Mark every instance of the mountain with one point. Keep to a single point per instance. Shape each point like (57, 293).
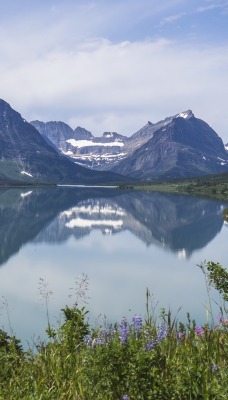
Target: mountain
(26, 156)
(226, 147)
(99, 153)
(183, 147)
(179, 146)
(56, 132)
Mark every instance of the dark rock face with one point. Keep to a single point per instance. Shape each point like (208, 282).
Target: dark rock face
(56, 132)
(17, 135)
(178, 146)
(59, 133)
(185, 147)
(81, 134)
(26, 155)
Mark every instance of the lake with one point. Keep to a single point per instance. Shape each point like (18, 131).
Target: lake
(125, 241)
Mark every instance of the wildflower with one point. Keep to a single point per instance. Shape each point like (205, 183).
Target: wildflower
(124, 331)
(160, 337)
(214, 368)
(161, 333)
(219, 318)
(199, 331)
(125, 397)
(137, 322)
(151, 345)
(180, 335)
(103, 336)
(88, 340)
(222, 321)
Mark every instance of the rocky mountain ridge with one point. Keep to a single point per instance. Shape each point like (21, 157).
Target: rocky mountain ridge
(178, 146)
(26, 156)
(81, 146)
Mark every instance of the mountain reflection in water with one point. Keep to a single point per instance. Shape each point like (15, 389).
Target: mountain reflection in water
(181, 224)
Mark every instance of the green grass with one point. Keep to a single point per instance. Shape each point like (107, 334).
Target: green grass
(136, 360)
(211, 186)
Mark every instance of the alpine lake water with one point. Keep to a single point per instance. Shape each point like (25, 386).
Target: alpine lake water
(125, 241)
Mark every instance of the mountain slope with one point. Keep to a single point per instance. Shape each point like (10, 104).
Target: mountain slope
(184, 147)
(178, 146)
(26, 156)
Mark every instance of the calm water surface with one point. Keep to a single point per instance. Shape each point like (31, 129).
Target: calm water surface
(125, 241)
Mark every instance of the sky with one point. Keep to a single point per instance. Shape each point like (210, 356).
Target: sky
(115, 65)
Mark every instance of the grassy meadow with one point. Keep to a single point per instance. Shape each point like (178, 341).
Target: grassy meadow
(210, 186)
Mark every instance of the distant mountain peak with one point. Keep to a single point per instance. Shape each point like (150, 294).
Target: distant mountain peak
(82, 133)
(4, 103)
(112, 136)
(7, 111)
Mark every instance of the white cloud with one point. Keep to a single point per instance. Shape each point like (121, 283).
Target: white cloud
(172, 18)
(59, 65)
(118, 87)
(213, 6)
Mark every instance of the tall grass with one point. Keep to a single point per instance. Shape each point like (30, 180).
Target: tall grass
(140, 360)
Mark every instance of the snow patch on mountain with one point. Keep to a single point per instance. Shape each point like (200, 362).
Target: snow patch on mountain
(183, 115)
(89, 143)
(26, 194)
(108, 135)
(26, 173)
(95, 157)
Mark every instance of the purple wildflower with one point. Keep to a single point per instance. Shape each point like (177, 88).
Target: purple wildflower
(125, 397)
(161, 333)
(151, 345)
(160, 337)
(101, 339)
(137, 323)
(180, 335)
(199, 331)
(214, 368)
(124, 331)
